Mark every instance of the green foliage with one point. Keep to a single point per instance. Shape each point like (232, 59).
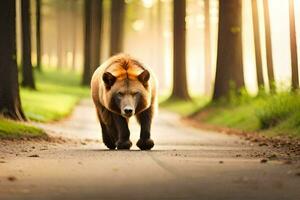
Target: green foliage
(277, 109)
(11, 129)
(270, 114)
(56, 95)
(235, 97)
(241, 116)
(290, 126)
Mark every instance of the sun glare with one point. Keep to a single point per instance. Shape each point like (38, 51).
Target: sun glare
(148, 3)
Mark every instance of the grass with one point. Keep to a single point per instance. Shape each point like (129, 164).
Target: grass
(270, 115)
(11, 129)
(242, 117)
(56, 95)
(184, 108)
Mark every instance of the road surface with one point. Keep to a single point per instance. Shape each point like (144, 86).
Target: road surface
(186, 163)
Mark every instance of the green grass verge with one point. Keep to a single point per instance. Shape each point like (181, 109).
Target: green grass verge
(270, 115)
(184, 108)
(11, 129)
(56, 95)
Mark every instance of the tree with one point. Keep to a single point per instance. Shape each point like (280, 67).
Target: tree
(293, 46)
(38, 34)
(87, 43)
(74, 14)
(180, 88)
(207, 57)
(257, 47)
(93, 18)
(10, 104)
(269, 46)
(59, 30)
(229, 72)
(96, 34)
(159, 43)
(28, 78)
(116, 26)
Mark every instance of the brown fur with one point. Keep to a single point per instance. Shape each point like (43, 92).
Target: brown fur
(123, 75)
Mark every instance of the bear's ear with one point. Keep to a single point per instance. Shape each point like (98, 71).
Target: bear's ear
(108, 79)
(144, 77)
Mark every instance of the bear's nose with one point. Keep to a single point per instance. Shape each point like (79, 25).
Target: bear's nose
(128, 111)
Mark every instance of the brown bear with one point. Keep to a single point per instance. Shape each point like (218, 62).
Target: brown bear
(121, 88)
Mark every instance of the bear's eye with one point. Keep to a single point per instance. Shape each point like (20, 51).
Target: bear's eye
(120, 94)
(134, 94)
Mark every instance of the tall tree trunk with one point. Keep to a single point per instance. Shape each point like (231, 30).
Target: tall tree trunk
(74, 29)
(269, 47)
(160, 54)
(116, 26)
(180, 87)
(96, 34)
(59, 39)
(229, 73)
(293, 46)
(38, 35)
(28, 79)
(257, 47)
(10, 104)
(87, 43)
(207, 56)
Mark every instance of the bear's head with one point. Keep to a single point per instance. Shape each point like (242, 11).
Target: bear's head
(127, 88)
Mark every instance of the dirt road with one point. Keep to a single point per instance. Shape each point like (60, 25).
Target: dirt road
(186, 163)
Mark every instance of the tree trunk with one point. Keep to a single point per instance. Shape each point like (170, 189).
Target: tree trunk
(207, 56)
(59, 33)
(229, 73)
(269, 47)
(180, 88)
(87, 43)
(96, 34)
(160, 45)
(257, 47)
(74, 35)
(38, 34)
(293, 46)
(28, 79)
(116, 26)
(10, 104)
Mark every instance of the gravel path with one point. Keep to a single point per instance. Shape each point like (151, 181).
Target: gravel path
(185, 163)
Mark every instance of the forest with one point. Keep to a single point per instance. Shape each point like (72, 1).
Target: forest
(243, 54)
(222, 66)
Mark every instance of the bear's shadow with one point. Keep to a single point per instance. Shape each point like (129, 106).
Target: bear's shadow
(124, 150)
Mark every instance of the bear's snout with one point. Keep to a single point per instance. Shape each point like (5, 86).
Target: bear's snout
(128, 111)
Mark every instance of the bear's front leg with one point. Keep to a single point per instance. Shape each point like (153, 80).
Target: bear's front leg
(123, 132)
(145, 119)
(108, 136)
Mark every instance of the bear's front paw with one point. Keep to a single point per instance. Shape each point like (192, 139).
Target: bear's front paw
(110, 145)
(124, 144)
(145, 144)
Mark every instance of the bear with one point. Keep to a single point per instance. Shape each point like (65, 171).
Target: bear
(122, 87)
